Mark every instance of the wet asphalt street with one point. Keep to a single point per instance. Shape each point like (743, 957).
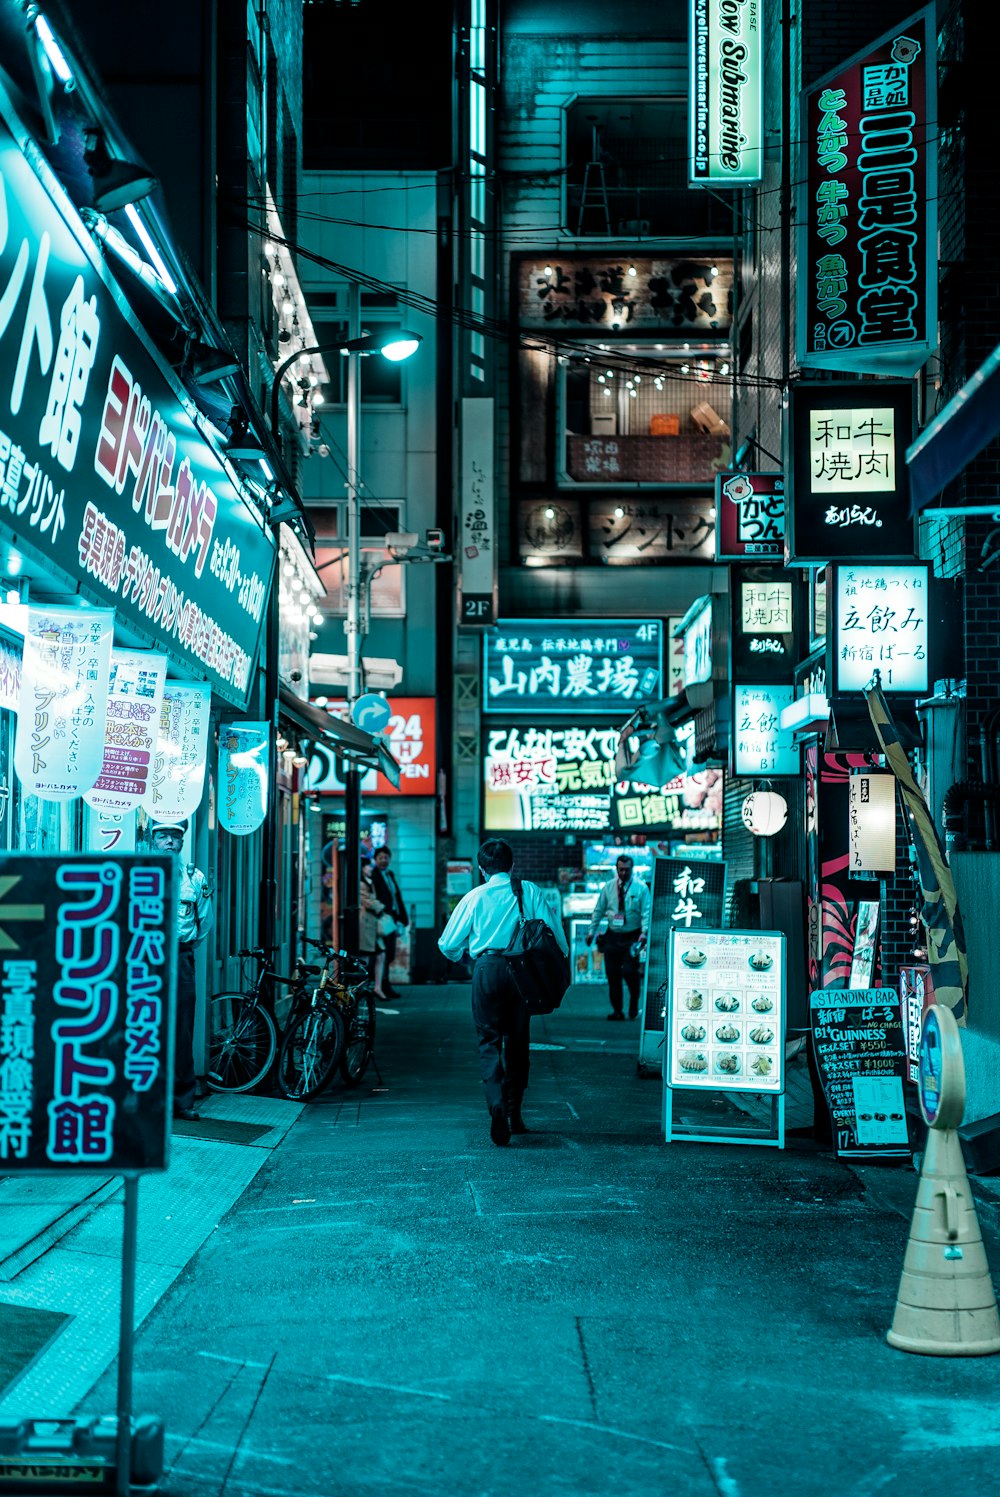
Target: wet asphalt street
(397, 1306)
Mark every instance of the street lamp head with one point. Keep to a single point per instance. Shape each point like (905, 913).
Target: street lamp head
(394, 344)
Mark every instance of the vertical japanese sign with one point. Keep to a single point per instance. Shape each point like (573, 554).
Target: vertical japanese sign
(726, 103)
(850, 486)
(750, 516)
(63, 701)
(87, 956)
(477, 560)
(135, 695)
(763, 637)
(177, 778)
(689, 894)
(880, 623)
(867, 239)
(103, 470)
(243, 776)
(761, 746)
(872, 825)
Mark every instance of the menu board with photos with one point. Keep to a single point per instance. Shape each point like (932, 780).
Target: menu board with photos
(861, 1057)
(726, 1011)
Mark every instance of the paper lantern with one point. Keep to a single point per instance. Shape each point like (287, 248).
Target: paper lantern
(764, 813)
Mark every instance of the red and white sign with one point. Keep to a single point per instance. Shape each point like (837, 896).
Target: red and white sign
(410, 735)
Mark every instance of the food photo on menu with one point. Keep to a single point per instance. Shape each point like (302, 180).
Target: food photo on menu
(726, 1010)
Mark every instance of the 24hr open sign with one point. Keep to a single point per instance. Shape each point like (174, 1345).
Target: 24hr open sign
(87, 958)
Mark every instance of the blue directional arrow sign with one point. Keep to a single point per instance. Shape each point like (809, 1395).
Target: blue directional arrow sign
(371, 712)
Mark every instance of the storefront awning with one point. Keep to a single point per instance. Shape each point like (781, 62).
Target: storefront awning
(343, 738)
(956, 435)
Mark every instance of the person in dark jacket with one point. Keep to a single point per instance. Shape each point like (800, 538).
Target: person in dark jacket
(394, 918)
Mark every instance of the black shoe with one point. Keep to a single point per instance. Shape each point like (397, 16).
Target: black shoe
(617, 1014)
(633, 1013)
(499, 1126)
(516, 1121)
(187, 1114)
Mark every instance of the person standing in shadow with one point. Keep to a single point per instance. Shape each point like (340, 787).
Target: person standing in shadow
(394, 917)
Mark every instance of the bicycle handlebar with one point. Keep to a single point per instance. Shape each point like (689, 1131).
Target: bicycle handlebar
(258, 951)
(335, 951)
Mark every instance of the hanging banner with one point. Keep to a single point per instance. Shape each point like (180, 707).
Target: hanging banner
(135, 694)
(946, 948)
(243, 776)
(725, 108)
(849, 483)
(872, 827)
(477, 559)
(63, 701)
(867, 214)
(177, 778)
(750, 511)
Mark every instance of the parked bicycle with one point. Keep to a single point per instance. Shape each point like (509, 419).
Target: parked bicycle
(334, 1028)
(242, 1032)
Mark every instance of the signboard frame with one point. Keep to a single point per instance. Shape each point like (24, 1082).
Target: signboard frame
(114, 915)
(882, 513)
(730, 965)
(825, 202)
(878, 575)
(879, 1009)
(584, 699)
(743, 500)
(726, 104)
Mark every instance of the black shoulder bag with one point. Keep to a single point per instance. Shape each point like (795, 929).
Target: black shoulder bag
(540, 970)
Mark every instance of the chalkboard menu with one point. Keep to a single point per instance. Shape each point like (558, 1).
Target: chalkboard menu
(689, 894)
(861, 1055)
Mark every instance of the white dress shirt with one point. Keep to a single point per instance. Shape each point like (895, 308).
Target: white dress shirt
(637, 903)
(485, 919)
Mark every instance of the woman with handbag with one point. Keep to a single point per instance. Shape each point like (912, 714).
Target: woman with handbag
(370, 941)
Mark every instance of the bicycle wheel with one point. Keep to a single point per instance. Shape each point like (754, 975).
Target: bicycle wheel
(241, 1042)
(360, 1037)
(311, 1047)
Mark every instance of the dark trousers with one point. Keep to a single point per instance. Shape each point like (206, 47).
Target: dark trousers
(184, 1077)
(390, 957)
(502, 1024)
(618, 963)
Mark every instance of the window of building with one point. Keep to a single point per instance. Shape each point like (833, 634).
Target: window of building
(386, 594)
(627, 163)
(642, 417)
(381, 379)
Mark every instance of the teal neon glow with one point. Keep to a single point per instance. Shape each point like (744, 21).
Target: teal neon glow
(53, 52)
(149, 246)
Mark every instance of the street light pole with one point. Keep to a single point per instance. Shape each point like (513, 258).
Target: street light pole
(395, 344)
(351, 902)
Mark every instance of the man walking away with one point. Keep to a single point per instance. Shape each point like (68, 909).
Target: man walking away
(194, 921)
(483, 923)
(625, 901)
(395, 918)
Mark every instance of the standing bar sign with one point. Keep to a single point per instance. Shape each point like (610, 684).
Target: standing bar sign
(86, 995)
(726, 104)
(861, 1058)
(867, 241)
